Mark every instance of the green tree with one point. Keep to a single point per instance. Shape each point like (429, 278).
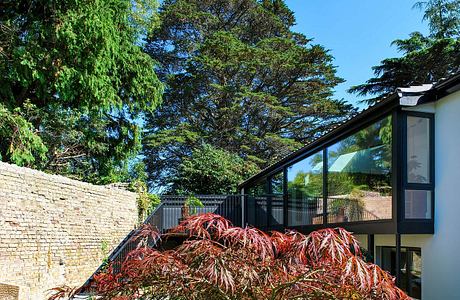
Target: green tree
(75, 84)
(442, 15)
(211, 171)
(425, 59)
(237, 78)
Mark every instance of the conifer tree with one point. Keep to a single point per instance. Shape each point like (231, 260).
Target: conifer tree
(238, 78)
(74, 84)
(425, 59)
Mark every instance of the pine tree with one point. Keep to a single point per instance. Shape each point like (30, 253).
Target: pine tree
(237, 78)
(425, 59)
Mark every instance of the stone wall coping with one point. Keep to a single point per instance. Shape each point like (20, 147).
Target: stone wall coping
(24, 171)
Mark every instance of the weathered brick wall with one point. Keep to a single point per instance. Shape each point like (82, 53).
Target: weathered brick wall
(52, 229)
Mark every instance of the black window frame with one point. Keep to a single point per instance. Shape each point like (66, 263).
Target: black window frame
(411, 223)
(398, 223)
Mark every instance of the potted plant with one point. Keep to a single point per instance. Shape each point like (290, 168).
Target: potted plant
(189, 207)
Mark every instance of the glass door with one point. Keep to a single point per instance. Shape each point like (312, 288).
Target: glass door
(411, 268)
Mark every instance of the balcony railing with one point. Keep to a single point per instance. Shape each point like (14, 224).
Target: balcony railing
(264, 211)
(167, 215)
(269, 212)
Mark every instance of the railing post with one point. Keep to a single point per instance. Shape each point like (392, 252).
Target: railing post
(161, 219)
(285, 198)
(398, 260)
(325, 187)
(243, 209)
(269, 202)
(370, 246)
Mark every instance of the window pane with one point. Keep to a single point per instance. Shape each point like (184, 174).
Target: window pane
(418, 204)
(359, 177)
(305, 191)
(258, 189)
(418, 150)
(277, 199)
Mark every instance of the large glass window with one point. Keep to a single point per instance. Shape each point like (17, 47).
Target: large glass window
(359, 175)
(276, 198)
(257, 189)
(418, 190)
(305, 191)
(418, 150)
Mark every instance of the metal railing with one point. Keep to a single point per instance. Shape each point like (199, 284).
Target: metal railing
(268, 212)
(228, 206)
(167, 215)
(265, 212)
(130, 243)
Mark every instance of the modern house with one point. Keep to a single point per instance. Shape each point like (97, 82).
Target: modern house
(391, 175)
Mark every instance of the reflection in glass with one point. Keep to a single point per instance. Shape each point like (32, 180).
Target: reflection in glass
(359, 175)
(418, 204)
(305, 191)
(276, 198)
(418, 150)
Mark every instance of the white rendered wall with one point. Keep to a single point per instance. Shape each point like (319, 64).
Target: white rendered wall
(441, 251)
(441, 257)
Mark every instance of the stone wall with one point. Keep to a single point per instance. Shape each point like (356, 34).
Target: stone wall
(53, 230)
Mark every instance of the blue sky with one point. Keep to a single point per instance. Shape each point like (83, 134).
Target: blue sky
(357, 32)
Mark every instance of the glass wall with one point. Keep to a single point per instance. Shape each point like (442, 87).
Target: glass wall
(418, 150)
(305, 191)
(276, 199)
(257, 189)
(359, 175)
(418, 193)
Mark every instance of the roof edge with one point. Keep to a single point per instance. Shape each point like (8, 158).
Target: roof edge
(408, 96)
(385, 102)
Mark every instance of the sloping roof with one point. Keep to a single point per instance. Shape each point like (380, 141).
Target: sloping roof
(405, 96)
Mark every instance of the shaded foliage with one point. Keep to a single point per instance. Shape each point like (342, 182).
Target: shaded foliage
(219, 261)
(237, 78)
(211, 171)
(74, 82)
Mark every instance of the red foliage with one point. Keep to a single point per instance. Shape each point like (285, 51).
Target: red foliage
(219, 261)
(204, 226)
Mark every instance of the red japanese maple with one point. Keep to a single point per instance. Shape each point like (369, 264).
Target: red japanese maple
(219, 261)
